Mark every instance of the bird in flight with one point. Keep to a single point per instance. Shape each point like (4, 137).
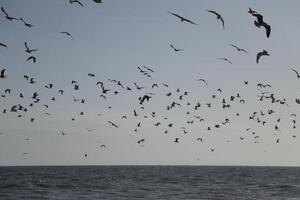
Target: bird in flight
(238, 49)
(225, 59)
(113, 124)
(7, 16)
(98, 1)
(262, 53)
(28, 50)
(218, 17)
(297, 73)
(204, 81)
(260, 22)
(175, 48)
(182, 19)
(68, 34)
(76, 1)
(2, 75)
(32, 58)
(25, 23)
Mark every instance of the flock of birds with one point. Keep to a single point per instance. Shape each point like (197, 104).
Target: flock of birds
(178, 98)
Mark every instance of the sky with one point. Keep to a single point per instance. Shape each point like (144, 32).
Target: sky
(111, 40)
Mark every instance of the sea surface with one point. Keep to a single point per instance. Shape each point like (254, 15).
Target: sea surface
(149, 182)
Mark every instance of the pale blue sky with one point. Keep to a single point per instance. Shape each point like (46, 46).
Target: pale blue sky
(111, 40)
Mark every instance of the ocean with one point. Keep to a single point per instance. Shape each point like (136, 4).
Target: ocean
(149, 182)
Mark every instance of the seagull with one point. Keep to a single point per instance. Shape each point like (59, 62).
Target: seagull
(113, 124)
(238, 49)
(32, 58)
(204, 81)
(297, 73)
(176, 140)
(260, 22)
(68, 34)
(2, 75)
(7, 16)
(225, 59)
(218, 17)
(29, 50)
(262, 53)
(25, 23)
(182, 19)
(76, 1)
(175, 48)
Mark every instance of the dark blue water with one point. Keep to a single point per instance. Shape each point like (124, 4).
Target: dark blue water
(149, 182)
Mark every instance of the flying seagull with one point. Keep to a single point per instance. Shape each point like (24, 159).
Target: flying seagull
(262, 53)
(218, 17)
(68, 34)
(76, 1)
(204, 81)
(182, 19)
(7, 16)
(238, 49)
(29, 50)
(175, 48)
(260, 22)
(225, 59)
(25, 23)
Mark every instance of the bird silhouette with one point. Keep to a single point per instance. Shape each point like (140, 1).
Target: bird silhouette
(32, 58)
(260, 22)
(262, 53)
(202, 80)
(25, 23)
(225, 59)
(238, 49)
(175, 48)
(218, 17)
(7, 16)
(182, 19)
(76, 1)
(68, 34)
(28, 50)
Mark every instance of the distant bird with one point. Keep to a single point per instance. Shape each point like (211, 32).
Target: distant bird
(238, 49)
(204, 81)
(98, 1)
(2, 75)
(225, 59)
(182, 19)
(113, 124)
(28, 50)
(175, 48)
(32, 58)
(262, 53)
(61, 92)
(7, 16)
(25, 23)
(176, 140)
(3, 45)
(297, 73)
(76, 1)
(138, 87)
(218, 17)
(68, 34)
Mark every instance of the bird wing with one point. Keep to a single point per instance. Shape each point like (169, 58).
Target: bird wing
(222, 20)
(258, 56)
(268, 29)
(4, 11)
(296, 72)
(2, 72)
(176, 15)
